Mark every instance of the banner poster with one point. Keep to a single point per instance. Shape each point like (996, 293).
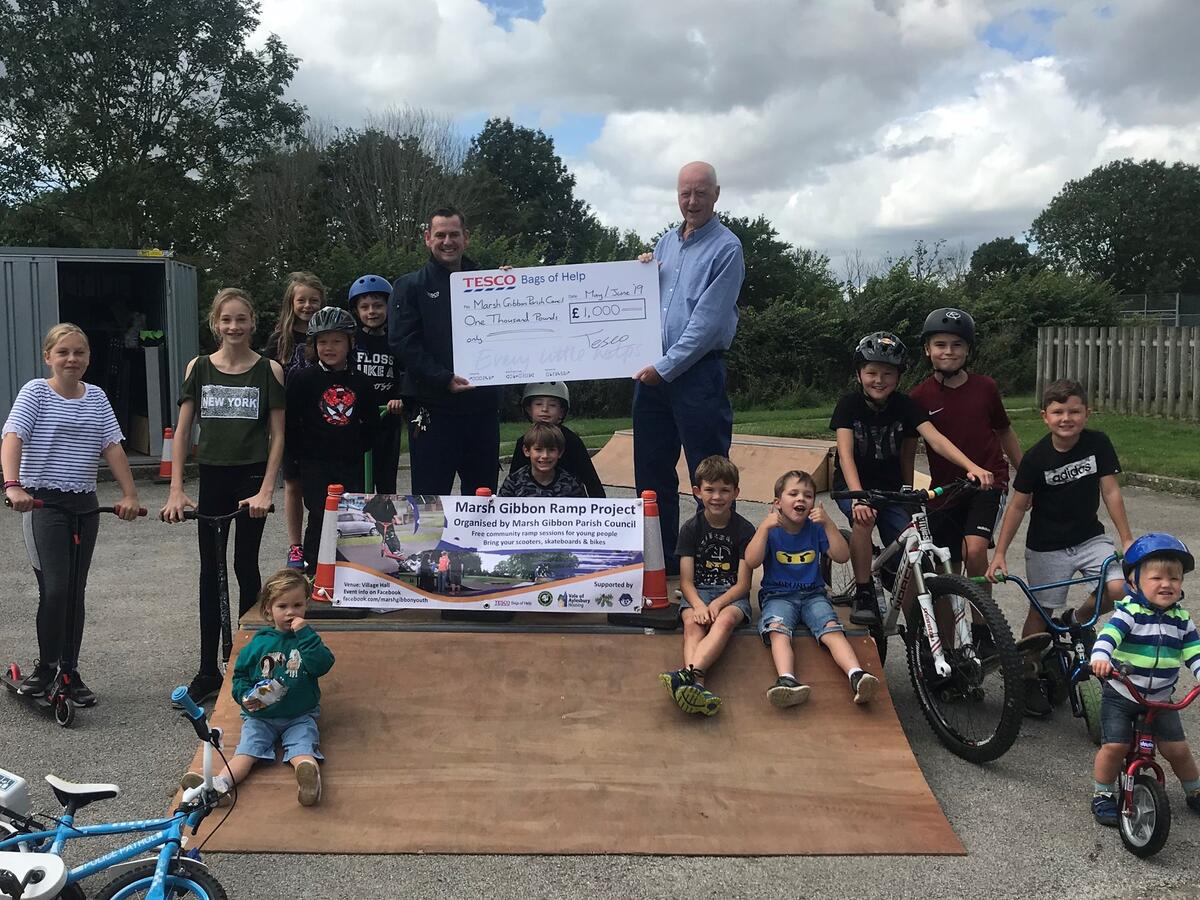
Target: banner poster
(531, 554)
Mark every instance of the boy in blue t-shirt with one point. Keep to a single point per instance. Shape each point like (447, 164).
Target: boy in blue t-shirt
(788, 545)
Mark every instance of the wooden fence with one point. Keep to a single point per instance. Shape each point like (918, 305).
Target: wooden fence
(1151, 371)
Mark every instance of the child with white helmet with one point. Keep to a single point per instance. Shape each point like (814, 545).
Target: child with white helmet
(549, 402)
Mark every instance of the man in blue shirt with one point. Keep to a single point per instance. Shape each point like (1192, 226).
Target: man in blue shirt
(681, 399)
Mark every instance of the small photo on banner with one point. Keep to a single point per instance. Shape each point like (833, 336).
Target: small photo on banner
(532, 554)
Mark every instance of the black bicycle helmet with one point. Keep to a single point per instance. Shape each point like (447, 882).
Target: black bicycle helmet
(878, 347)
(330, 318)
(949, 320)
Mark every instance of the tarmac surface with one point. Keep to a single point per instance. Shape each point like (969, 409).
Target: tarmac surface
(1024, 819)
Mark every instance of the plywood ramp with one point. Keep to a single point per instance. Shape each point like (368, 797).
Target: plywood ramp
(760, 461)
(568, 743)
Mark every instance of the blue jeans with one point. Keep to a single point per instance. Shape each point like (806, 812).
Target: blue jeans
(710, 593)
(692, 411)
(298, 735)
(786, 611)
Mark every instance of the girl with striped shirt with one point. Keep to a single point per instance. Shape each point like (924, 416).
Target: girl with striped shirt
(56, 432)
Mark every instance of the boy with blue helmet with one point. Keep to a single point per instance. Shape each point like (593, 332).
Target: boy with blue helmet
(1151, 634)
(368, 300)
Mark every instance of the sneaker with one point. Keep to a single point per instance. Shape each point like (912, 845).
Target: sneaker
(308, 781)
(787, 692)
(295, 557)
(1087, 635)
(1105, 810)
(1193, 801)
(35, 683)
(203, 688)
(1037, 704)
(866, 608)
(697, 700)
(864, 686)
(673, 681)
(78, 692)
(195, 779)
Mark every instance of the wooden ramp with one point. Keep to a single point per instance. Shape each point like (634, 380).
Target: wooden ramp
(569, 744)
(760, 460)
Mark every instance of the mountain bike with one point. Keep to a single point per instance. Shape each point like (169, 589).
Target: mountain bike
(970, 692)
(31, 864)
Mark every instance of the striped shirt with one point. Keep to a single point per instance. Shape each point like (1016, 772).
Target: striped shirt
(61, 439)
(1152, 643)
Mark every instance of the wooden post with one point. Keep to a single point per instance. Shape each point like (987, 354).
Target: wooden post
(1090, 337)
(1103, 394)
(1173, 373)
(1159, 369)
(1135, 372)
(1060, 341)
(1126, 369)
(1195, 330)
(1039, 378)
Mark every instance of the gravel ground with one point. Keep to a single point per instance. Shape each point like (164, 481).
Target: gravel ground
(1024, 819)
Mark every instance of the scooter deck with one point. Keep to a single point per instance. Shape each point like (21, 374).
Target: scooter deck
(40, 699)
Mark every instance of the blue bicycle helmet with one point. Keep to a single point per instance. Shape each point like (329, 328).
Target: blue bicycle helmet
(1158, 544)
(369, 284)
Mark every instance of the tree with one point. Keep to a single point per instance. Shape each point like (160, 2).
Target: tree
(1129, 223)
(527, 192)
(999, 258)
(134, 118)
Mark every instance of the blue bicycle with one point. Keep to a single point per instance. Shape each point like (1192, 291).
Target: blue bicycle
(31, 865)
(1059, 656)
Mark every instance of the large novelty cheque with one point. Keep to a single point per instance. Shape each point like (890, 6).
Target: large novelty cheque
(512, 553)
(555, 323)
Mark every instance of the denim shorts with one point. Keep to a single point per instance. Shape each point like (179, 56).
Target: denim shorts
(298, 735)
(1045, 566)
(814, 611)
(890, 519)
(709, 593)
(1118, 713)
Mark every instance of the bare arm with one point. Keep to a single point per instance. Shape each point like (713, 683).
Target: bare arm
(756, 550)
(127, 506)
(908, 460)
(181, 446)
(940, 444)
(10, 457)
(1011, 446)
(687, 582)
(1018, 505)
(1110, 490)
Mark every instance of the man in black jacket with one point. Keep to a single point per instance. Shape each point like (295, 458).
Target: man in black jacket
(454, 426)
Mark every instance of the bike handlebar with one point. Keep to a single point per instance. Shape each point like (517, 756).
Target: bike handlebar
(1120, 672)
(913, 495)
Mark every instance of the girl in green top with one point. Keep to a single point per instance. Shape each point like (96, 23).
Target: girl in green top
(238, 396)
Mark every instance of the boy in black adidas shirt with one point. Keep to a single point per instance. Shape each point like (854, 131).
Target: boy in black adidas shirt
(1063, 478)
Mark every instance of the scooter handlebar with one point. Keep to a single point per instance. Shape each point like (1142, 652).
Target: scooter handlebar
(192, 712)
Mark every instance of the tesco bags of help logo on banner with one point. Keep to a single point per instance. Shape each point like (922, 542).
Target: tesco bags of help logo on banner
(523, 554)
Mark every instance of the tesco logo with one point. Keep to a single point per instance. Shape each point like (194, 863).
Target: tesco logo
(476, 282)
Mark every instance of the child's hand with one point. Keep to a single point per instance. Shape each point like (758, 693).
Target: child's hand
(702, 616)
(19, 498)
(395, 407)
(253, 705)
(772, 519)
(1102, 668)
(127, 507)
(864, 514)
(997, 569)
(297, 623)
(983, 477)
(176, 503)
(817, 515)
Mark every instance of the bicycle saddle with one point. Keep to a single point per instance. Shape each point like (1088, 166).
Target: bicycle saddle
(81, 794)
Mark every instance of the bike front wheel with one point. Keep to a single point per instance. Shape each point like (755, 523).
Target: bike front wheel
(185, 879)
(975, 709)
(1144, 831)
(1089, 704)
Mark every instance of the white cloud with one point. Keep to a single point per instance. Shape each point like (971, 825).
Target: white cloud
(849, 123)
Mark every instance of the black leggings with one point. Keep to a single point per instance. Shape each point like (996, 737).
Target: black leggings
(315, 477)
(48, 543)
(221, 487)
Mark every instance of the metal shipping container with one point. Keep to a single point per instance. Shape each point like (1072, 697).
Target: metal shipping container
(114, 296)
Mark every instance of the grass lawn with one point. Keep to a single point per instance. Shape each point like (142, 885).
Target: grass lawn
(1155, 446)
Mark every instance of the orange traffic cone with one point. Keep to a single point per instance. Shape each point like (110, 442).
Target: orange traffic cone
(327, 553)
(164, 465)
(654, 578)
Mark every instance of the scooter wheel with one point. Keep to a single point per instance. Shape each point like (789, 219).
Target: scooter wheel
(64, 711)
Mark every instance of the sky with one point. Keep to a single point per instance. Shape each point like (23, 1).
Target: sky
(852, 125)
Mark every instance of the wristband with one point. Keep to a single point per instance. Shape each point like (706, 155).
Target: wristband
(11, 484)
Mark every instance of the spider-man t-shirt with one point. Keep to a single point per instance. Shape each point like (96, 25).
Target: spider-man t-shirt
(330, 415)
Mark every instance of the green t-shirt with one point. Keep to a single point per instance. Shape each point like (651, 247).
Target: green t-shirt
(234, 411)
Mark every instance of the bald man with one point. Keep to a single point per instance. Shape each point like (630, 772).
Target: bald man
(681, 399)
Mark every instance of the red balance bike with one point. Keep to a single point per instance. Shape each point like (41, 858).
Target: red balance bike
(1145, 810)
(56, 697)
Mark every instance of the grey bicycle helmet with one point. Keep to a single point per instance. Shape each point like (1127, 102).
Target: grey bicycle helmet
(879, 347)
(949, 320)
(330, 318)
(556, 389)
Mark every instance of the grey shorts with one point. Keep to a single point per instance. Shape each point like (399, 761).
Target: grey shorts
(710, 593)
(1045, 566)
